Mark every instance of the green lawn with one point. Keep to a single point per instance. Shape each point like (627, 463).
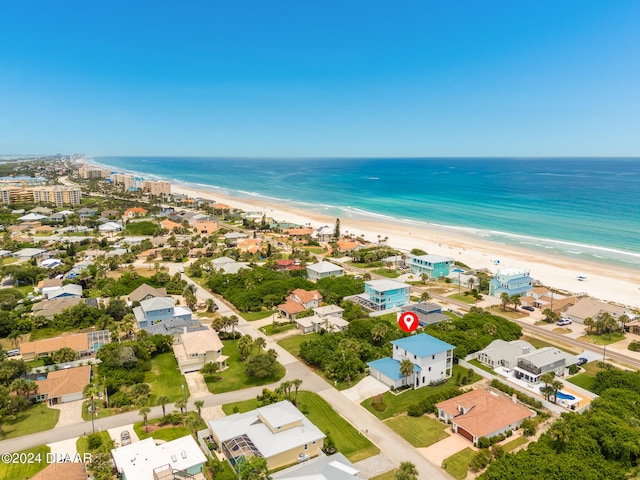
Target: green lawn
(316, 250)
(482, 366)
(36, 419)
(586, 378)
(397, 404)
(82, 444)
(513, 444)
(508, 313)
(282, 327)
(235, 377)
(165, 378)
(386, 272)
(457, 465)
(251, 316)
(292, 344)
(349, 441)
(390, 475)
(100, 412)
(536, 342)
(463, 298)
(167, 433)
(20, 471)
(418, 431)
(604, 339)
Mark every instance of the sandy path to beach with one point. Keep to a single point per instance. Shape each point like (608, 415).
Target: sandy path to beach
(605, 282)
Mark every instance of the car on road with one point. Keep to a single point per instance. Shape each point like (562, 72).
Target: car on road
(125, 438)
(581, 361)
(181, 270)
(563, 321)
(528, 308)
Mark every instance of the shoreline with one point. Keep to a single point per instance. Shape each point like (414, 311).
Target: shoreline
(605, 282)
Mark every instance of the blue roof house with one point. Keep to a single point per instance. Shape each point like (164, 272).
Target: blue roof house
(514, 281)
(384, 294)
(435, 266)
(159, 310)
(432, 362)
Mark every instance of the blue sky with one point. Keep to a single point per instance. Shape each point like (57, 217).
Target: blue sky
(295, 78)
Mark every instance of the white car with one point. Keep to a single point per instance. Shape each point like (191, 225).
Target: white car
(563, 321)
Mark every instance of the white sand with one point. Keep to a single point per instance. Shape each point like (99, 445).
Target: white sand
(605, 282)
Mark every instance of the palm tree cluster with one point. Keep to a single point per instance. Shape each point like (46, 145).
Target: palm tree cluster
(605, 323)
(506, 299)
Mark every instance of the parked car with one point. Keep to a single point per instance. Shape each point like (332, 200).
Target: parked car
(528, 308)
(563, 321)
(581, 361)
(125, 438)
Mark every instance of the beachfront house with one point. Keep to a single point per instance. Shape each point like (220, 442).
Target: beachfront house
(434, 266)
(324, 234)
(514, 281)
(479, 413)
(590, 308)
(279, 433)
(532, 365)
(501, 353)
(321, 270)
(432, 362)
(383, 294)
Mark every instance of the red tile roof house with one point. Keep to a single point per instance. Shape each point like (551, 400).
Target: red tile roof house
(298, 301)
(135, 212)
(480, 413)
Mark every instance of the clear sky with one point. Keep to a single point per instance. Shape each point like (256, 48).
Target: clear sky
(305, 78)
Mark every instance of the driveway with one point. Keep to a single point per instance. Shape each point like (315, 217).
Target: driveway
(70, 413)
(64, 448)
(197, 385)
(451, 445)
(374, 466)
(114, 433)
(365, 388)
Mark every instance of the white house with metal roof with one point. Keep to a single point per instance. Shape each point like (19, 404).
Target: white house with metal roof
(432, 362)
(144, 460)
(159, 309)
(334, 467)
(280, 433)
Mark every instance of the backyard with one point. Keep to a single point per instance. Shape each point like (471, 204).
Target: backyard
(351, 443)
(235, 376)
(165, 378)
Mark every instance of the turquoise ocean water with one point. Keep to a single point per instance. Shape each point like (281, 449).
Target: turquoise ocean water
(582, 208)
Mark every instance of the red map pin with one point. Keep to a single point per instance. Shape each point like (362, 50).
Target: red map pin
(408, 321)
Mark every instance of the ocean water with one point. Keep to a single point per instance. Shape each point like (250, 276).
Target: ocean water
(587, 208)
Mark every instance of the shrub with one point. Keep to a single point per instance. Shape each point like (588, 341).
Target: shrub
(634, 346)
(378, 404)
(120, 399)
(498, 451)
(528, 428)
(484, 442)
(573, 369)
(480, 460)
(94, 441)
(415, 410)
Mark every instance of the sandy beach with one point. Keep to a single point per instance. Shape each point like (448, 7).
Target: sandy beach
(605, 282)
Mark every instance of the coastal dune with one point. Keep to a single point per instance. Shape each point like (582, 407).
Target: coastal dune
(609, 283)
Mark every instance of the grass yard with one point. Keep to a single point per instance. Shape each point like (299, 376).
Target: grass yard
(316, 250)
(386, 272)
(82, 445)
(536, 342)
(282, 327)
(397, 404)
(22, 470)
(586, 378)
(251, 316)
(100, 412)
(348, 440)
(166, 433)
(292, 344)
(508, 313)
(482, 366)
(165, 378)
(36, 419)
(235, 377)
(390, 475)
(463, 298)
(457, 465)
(418, 431)
(513, 444)
(604, 339)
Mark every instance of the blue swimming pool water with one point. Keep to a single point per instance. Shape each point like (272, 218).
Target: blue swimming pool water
(565, 396)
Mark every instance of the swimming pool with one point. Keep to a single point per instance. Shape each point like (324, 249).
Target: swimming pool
(565, 396)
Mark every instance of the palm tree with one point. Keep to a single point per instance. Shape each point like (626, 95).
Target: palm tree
(181, 404)
(623, 319)
(163, 400)
(504, 300)
(425, 296)
(379, 332)
(609, 323)
(199, 404)
(15, 338)
(407, 471)
(144, 411)
(406, 369)
(515, 300)
(286, 388)
(296, 382)
(260, 343)
(233, 322)
(424, 278)
(471, 282)
(547, 379)
(210, 305)
(556, 385)
(191, 423)
(589, 323)
(245, 345)
(91, 391)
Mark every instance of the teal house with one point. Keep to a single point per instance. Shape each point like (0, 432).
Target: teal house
(435, 266)
(384, 294)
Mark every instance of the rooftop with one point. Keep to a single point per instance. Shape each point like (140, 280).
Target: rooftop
(77, 342)
(390, 367)
(65, 381)
(201, 342)
(324, 267)
(384, 284)
(422, 345)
